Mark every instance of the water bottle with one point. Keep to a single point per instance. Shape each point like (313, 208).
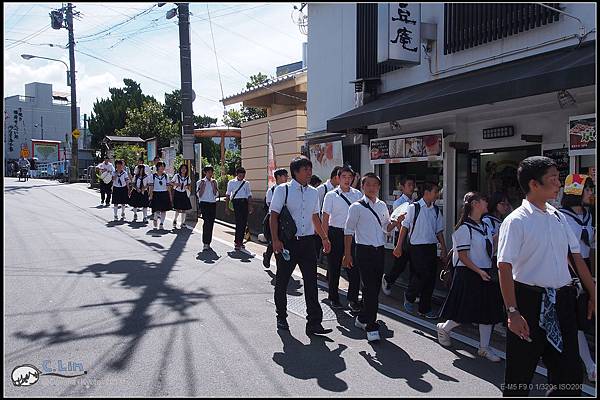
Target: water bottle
(286, 254)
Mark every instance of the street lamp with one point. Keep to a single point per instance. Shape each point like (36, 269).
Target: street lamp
(30, 56)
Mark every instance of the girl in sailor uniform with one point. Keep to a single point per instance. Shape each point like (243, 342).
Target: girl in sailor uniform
(181, 184)
(474, 297)
(498, 208)
(577, 202)
(138, 196)
(160, 200)
(120, 195)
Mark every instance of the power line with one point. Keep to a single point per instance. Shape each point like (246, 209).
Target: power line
(28, 37)
(146, 11)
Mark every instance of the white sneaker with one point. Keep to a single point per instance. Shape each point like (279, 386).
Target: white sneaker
(443, 336)
(386, 287)
(359, 324)
(246, 251)
(373, 336)
(592, 375)
(116, 218)
(489, 354)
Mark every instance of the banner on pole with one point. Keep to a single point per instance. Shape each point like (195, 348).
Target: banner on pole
(271, 164)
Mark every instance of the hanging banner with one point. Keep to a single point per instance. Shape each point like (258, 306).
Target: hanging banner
(582, 135)
(271, 166)
(399, 33)
(325, 157)
(168, 156)
(151, 149)
(423, 146)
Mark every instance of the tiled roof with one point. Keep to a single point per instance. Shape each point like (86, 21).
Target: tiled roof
(270, 83)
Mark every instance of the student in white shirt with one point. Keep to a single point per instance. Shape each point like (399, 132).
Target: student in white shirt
(138, 195)
(120, 188)
(368, 222)
(328, 186)
(147, 170)
(281, 176)
(207, 192)
(335, 212)
(160, 199)
(576, 202)
(537, 289)
(301, 211)
(181, 184)
(474, 296)
(105, 188)
(498, 208)
(407, 184)
(424, 226)
(239, 194)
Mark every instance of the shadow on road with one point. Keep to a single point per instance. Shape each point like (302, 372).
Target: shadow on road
(294, 285)
(312, 361)
(238, 255)
(208, 256)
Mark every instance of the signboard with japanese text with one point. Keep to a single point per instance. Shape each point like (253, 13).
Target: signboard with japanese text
(151, 149)
(582, 135)
(168, 156)
(423, 146)
(399, 33)
(325, 157)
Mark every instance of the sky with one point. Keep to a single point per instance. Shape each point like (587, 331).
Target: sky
(135, 40)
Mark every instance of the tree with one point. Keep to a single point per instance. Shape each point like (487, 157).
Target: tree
(149, 121)
(129, 153)
(256, 80)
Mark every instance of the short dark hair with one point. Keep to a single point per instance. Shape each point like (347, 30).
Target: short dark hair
(533, 168)
(106, 157)
(119, 162)
(186, 167)
(314, 180)
(371, 175)
(299, 162)
(208, 168)
(280, 172)
(495, 199)
(405, 178)
(334, 171)
(159, 164)
(156, 158)
(240, 170)
(141, 159)
(430, 186)
(346, 168)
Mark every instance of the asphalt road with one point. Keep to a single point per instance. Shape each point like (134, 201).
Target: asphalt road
(145, 313)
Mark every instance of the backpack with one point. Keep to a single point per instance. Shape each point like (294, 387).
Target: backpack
(287, 226)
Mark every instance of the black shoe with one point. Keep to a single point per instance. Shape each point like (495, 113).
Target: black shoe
(355, 306)
(266, 262)
(317, 330)
(282, 324)
(335, 304)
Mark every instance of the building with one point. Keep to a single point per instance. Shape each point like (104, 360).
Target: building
(455, 93)
(39, 114)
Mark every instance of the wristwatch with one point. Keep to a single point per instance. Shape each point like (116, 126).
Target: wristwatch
(512, 309)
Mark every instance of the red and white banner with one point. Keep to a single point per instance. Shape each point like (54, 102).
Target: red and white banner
(271, 165)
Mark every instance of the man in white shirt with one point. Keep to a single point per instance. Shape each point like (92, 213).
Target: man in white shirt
(281, 176)
(368, 222)
(335, 212)
(239, 193)
(207, 191)
(105, 188)
(424, 226)
(301, 210)
(533, 248)
(323, 189)
(407, 184)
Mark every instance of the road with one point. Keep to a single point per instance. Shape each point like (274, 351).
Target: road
(146, 313)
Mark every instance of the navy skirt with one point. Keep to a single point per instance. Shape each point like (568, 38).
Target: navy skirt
(138, 199)
(181, 201)
(120, 195)
(473, 300)
(160, 201)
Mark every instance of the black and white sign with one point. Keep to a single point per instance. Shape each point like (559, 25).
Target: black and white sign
(399, 33)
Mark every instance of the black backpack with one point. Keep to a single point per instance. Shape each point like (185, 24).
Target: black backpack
(287, 225)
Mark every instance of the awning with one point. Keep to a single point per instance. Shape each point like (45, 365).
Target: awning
(549, 72)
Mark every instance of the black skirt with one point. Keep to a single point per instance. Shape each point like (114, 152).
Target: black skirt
(160, 201)
(473, 300)
(181, 201)
(120, 195)
(138, 199)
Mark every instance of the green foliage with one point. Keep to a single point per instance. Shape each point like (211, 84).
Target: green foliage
(233, 160)
(129, 153)
(178, 161)
(149, 121)
(256, 80)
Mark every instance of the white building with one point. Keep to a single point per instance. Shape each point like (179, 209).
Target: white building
(40, 114)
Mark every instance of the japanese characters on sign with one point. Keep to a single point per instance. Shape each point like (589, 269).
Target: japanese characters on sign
(582, 135)
(399, 33)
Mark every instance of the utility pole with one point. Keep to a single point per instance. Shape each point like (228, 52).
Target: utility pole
(42, 125)
(74, 175)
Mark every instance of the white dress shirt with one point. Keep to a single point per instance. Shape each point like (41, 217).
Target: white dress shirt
(536, 244)
(473, 241)
(106, 167)
(208, 196)
(269, 195)
(427, 225)
(323, 189)
(121, 179)
(577, 229)
(302, 203)
(178, 180)
(336, 206)
(159, 183)
(363, 225)
(234, 185)
(401, 200)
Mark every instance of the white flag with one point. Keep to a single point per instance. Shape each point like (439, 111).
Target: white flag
(270, 157)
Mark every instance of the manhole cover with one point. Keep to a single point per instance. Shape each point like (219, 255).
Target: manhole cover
(297, 305)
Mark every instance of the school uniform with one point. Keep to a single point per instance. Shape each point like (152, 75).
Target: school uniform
(181, 200)
(160, 197)
(208, 207)
(322, 189)
(400, 263)
(105, 188)
(139, 199)
(422, 252)
(367, 221)
(239, 193)
(120, 190)
(471, 299)
(302, 203)
(536, 244)
(269, 252)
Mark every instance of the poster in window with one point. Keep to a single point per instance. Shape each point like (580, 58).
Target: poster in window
(325, 157)
(582, 135)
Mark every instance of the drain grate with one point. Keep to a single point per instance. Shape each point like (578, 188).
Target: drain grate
(297, 305)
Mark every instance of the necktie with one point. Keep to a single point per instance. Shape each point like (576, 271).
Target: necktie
(549, 319)
(585, 236)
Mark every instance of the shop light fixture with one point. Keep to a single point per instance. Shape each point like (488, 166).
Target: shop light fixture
(486, 154)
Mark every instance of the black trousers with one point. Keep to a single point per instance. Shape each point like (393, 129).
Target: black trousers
(565, 373)
(399, 264)
(423, 258)
(209, 213)
(240, 207)
(268, 252)
(370, 260)
(334, 266)
(302, 253)
(105, 191)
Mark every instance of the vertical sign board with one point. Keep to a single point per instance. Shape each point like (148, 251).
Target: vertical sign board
(399, 33)
(151, 147)
(198, 158)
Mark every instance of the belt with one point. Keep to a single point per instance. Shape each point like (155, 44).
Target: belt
(239, 200)
(539, 289)
(369, 246)
(336, 228)
(306, 237)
